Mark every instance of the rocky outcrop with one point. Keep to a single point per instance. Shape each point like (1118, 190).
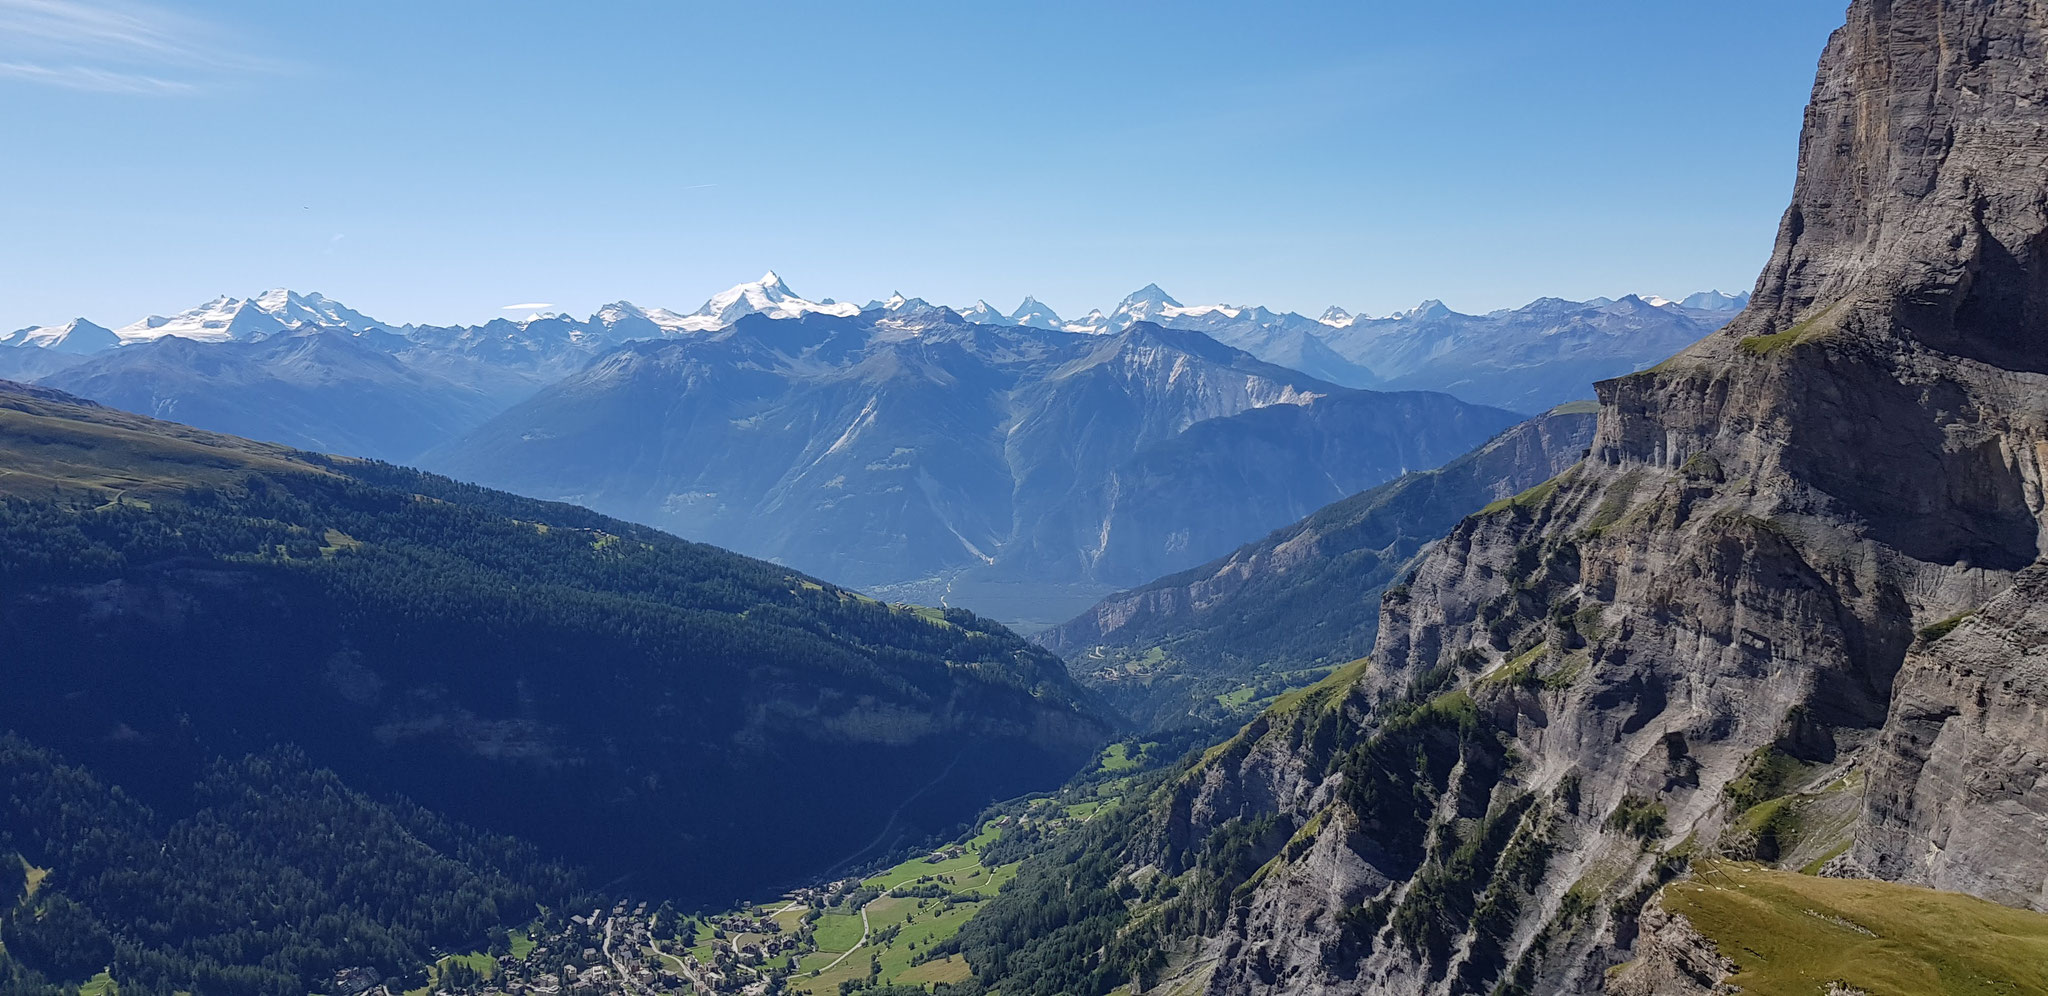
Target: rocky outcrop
(1756, 561)
(1673, 959)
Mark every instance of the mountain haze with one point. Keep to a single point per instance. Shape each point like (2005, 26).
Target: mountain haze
(916, 454)
(288, 389)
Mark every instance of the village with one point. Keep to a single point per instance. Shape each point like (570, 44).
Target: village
(841, 937)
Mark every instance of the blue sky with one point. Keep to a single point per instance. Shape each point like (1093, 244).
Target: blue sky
(435, 161)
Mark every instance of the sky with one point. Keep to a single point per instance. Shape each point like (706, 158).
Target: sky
(439, 161)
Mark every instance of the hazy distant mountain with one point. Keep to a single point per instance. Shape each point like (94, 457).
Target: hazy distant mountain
(884, 453)
(327, 390)
(1527, 359)
(1714, 300)
(1286, 339)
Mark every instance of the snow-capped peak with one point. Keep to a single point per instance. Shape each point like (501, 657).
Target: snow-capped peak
(1427, 309)
(1337, 318)
(982, 313)
(1092, 323)
(1151, 294)
(1146, 304)
(766, 296)
(626, 318)
(1034, 314)
(1636, 302)
(75, 336)
(229, 318)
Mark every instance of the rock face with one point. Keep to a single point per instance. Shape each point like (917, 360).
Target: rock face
(1959, 785)
(1764, 523)
(1754, 569)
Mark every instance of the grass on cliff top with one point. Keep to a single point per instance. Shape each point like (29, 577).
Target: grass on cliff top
(1527, 499)
(1765, 345)
(1791, 933)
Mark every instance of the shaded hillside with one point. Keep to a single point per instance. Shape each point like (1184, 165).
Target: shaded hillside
(641, 704)
(1213, 642)
(921, 454)
(1787, 611)
(265, 879)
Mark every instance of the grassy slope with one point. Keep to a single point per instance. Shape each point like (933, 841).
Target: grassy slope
(1793, 933)
(51, 448)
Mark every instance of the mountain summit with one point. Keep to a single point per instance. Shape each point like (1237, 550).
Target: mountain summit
(226, 318)
(767, 296)
(77, 336)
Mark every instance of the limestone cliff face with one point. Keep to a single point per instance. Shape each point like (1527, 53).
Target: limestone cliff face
(1754, 563)
(1959, 783)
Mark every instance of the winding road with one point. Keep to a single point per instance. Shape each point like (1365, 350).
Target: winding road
(864, 931)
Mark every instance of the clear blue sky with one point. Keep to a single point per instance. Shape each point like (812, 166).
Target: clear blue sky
(437, 160)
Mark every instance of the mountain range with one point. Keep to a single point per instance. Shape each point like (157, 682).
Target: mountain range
(1527, 358)
(922, 456)
(1021, 463)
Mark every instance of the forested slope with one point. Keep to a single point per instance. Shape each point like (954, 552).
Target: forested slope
(277, 876)
(703, 721)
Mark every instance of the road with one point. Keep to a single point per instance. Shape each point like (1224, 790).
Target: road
(617, 963)
(864, 931)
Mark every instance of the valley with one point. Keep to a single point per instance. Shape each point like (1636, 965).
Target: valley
(1628, 646)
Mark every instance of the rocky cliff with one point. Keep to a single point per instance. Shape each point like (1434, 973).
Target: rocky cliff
(1722, 597)
(1798, 560)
